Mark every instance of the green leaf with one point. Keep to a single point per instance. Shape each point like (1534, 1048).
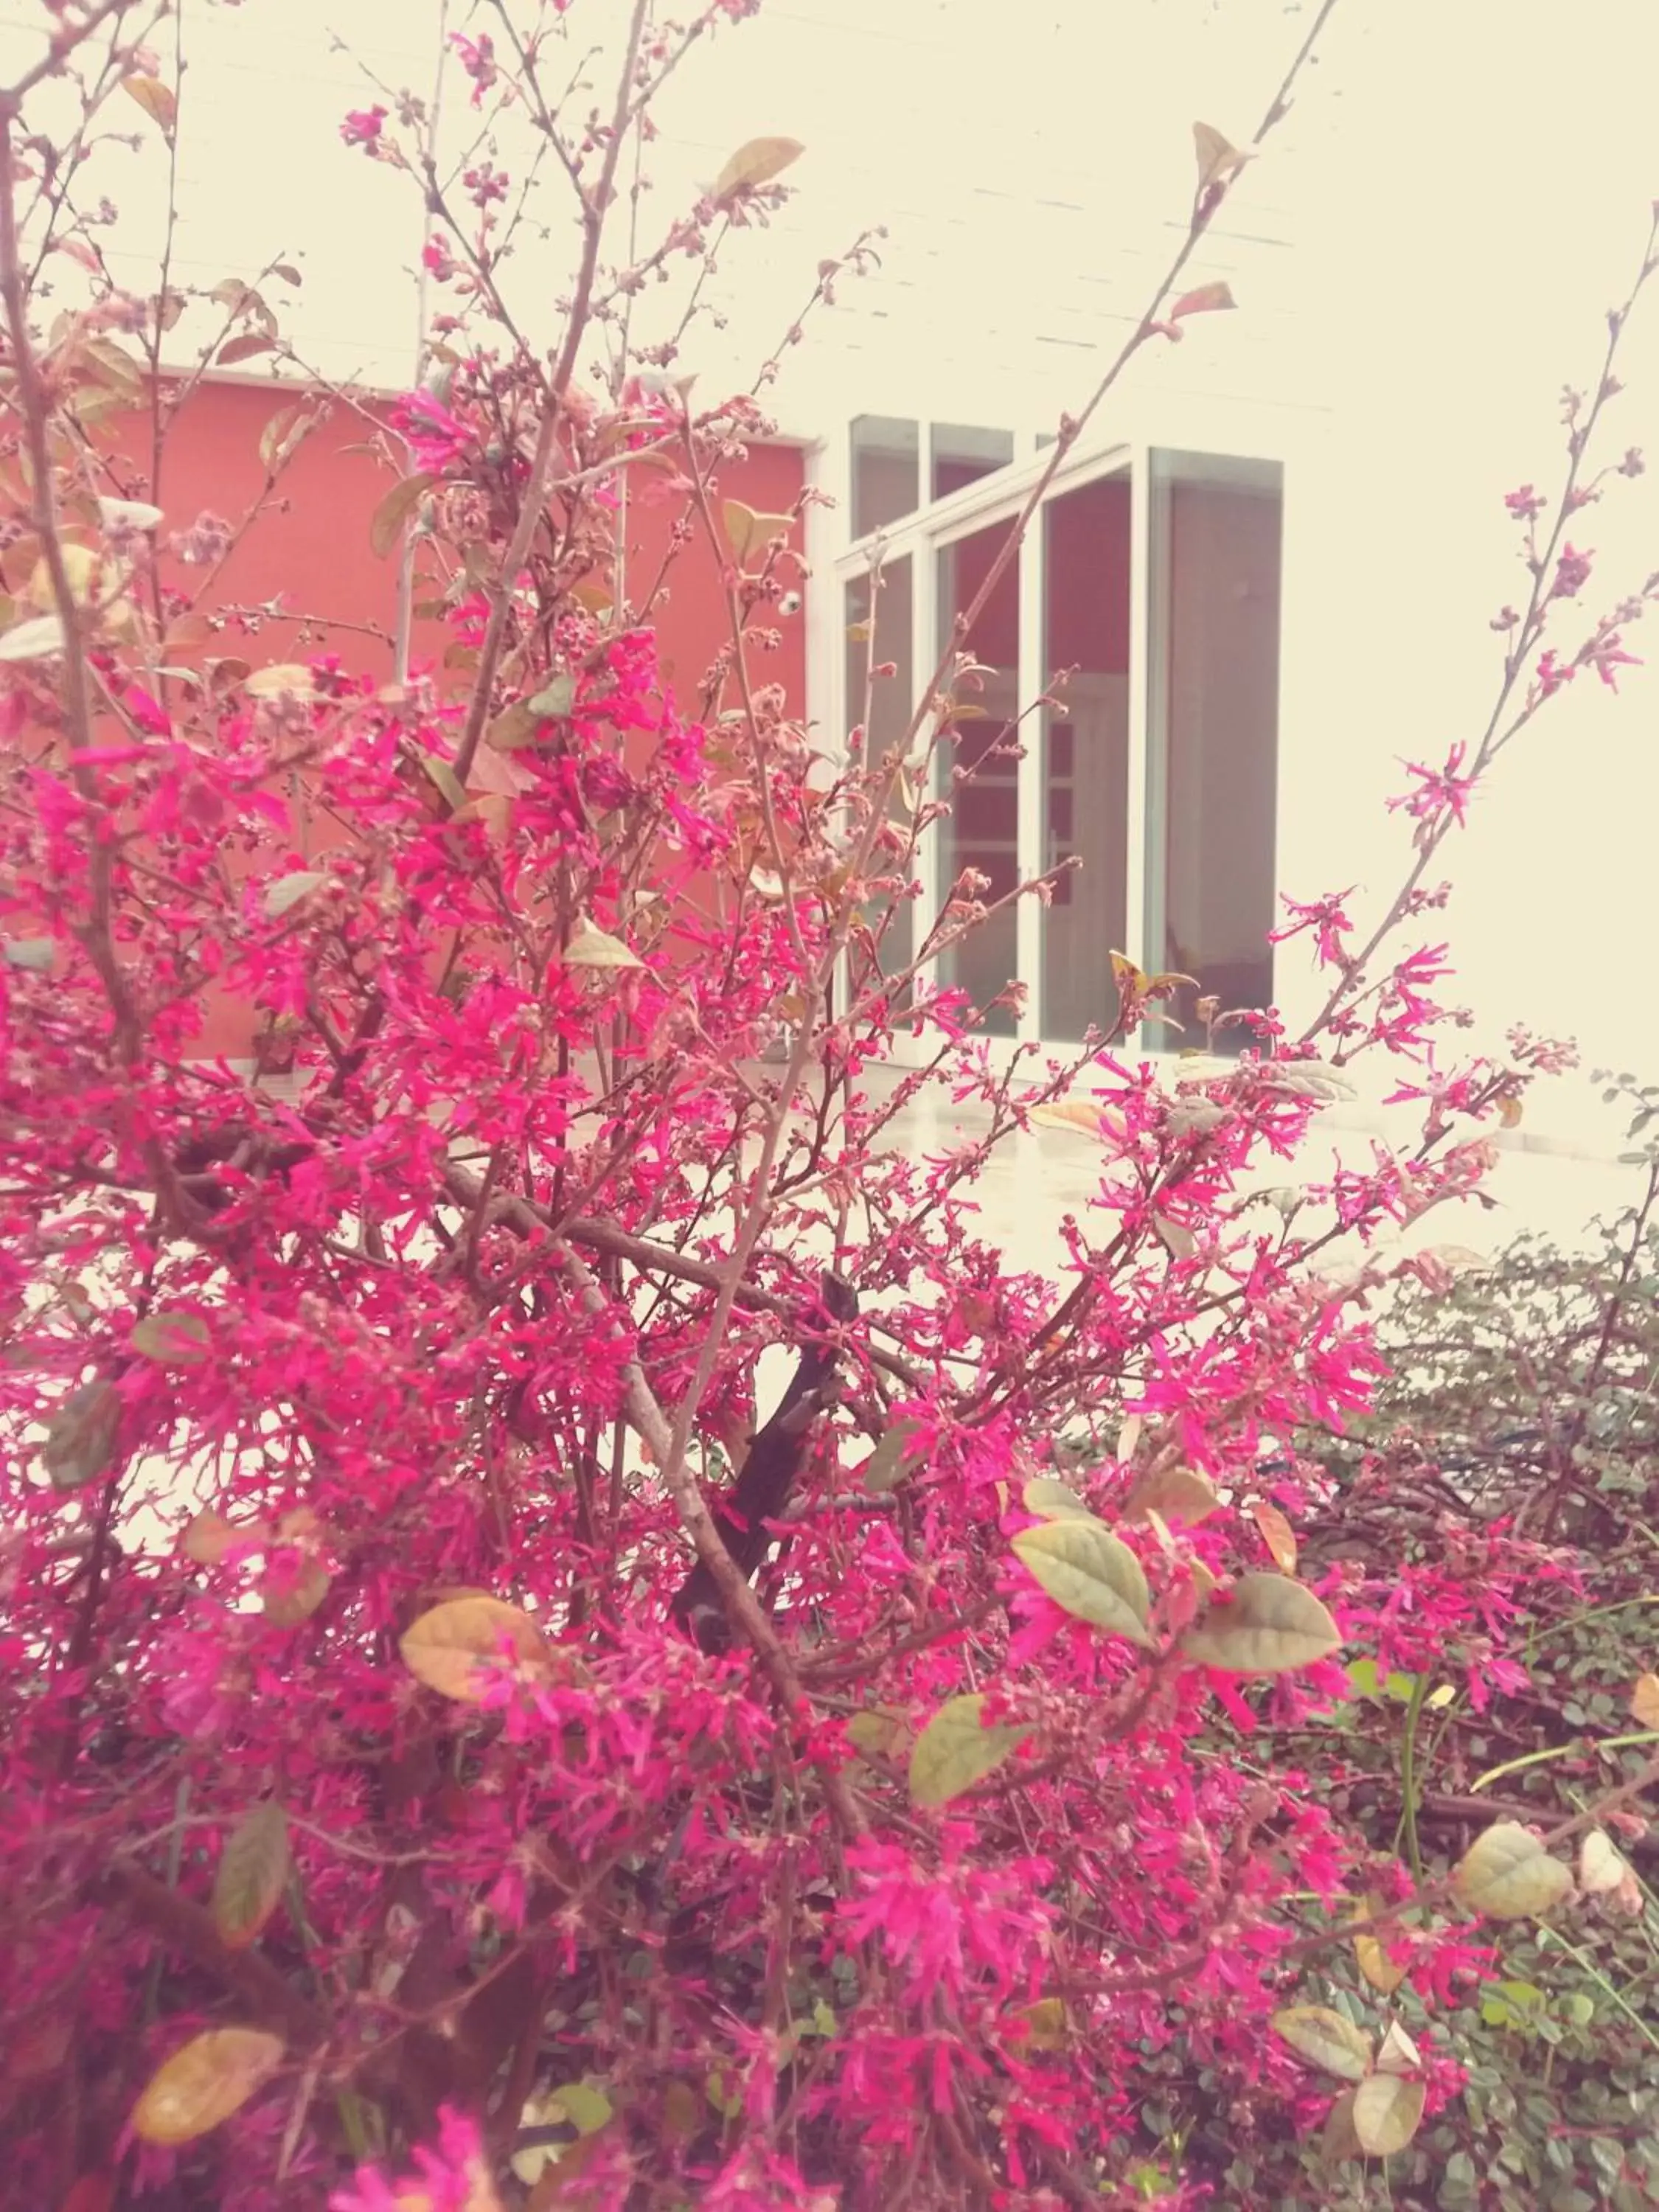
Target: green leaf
(38, 639)
(287, 890)
(748, 533)
(1091, 1573)
(252, 1873)
(1266, 1625)
(1399, 2054)
(1041, 2026)
(588, 2109)
(172, 1339)
(1042, 1494)
(554, 699)
(514, 728)
(283, 679)
(443, 779)
(956, 1750)
(596, 948)
(1326, 2040)
(81, 1439)
(34, 953)
(757, 161)
(1507, 1874)
(385, 526)
(876, 1734)
(1337, 2140)
(1387, 2113)
(893, 1458)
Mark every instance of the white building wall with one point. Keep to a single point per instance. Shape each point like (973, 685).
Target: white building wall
(1422, 256)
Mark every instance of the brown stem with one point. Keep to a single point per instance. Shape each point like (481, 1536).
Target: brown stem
(189, 1927)
(594, 205)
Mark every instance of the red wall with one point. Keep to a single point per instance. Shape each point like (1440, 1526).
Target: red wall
(311, 548)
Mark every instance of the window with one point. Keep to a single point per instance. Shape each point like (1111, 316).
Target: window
(977, 771)
(1085, 751)
(1145, 608)
(882, 706)
(886, 471)
(888, 479)
(1213, 693)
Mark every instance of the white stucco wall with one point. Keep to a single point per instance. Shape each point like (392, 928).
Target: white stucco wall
(1422, 258)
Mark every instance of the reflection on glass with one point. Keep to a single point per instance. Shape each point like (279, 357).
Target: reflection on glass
(963, 453)
(1085, 751)
(886, 471)
(1214, 721)
(978, 776)
(889, 702)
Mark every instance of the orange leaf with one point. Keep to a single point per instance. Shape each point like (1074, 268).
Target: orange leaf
(203, 2083)
(1277, 1534)
(443, 1648)
(154, 98)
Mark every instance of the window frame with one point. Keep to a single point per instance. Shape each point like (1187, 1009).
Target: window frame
(1000, 497)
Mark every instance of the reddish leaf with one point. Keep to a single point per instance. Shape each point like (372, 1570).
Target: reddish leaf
(244, 348)
(1206, 299)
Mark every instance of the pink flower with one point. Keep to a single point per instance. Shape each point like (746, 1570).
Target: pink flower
(479, 60)
(1439, 792)
(437, 440)
(1572, 572)
(1606, 655)
(362, 126)
(452, 2177)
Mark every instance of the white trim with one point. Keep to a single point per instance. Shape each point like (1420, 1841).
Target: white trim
(1145, 907)
(924, 656)
(1030, 801)
(825, 469)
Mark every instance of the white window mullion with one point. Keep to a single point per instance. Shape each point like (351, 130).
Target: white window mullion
(1143, 903)
(829, 719)
(924, 654)
(1031, 858)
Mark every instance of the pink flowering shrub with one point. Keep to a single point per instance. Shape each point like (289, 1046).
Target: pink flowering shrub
(461, 1749)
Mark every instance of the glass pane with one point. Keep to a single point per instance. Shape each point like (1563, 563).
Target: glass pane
(963, 453)
(978, 774)
(1216, 533)
(886, 471)
(1085, 751)
(889, 701)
